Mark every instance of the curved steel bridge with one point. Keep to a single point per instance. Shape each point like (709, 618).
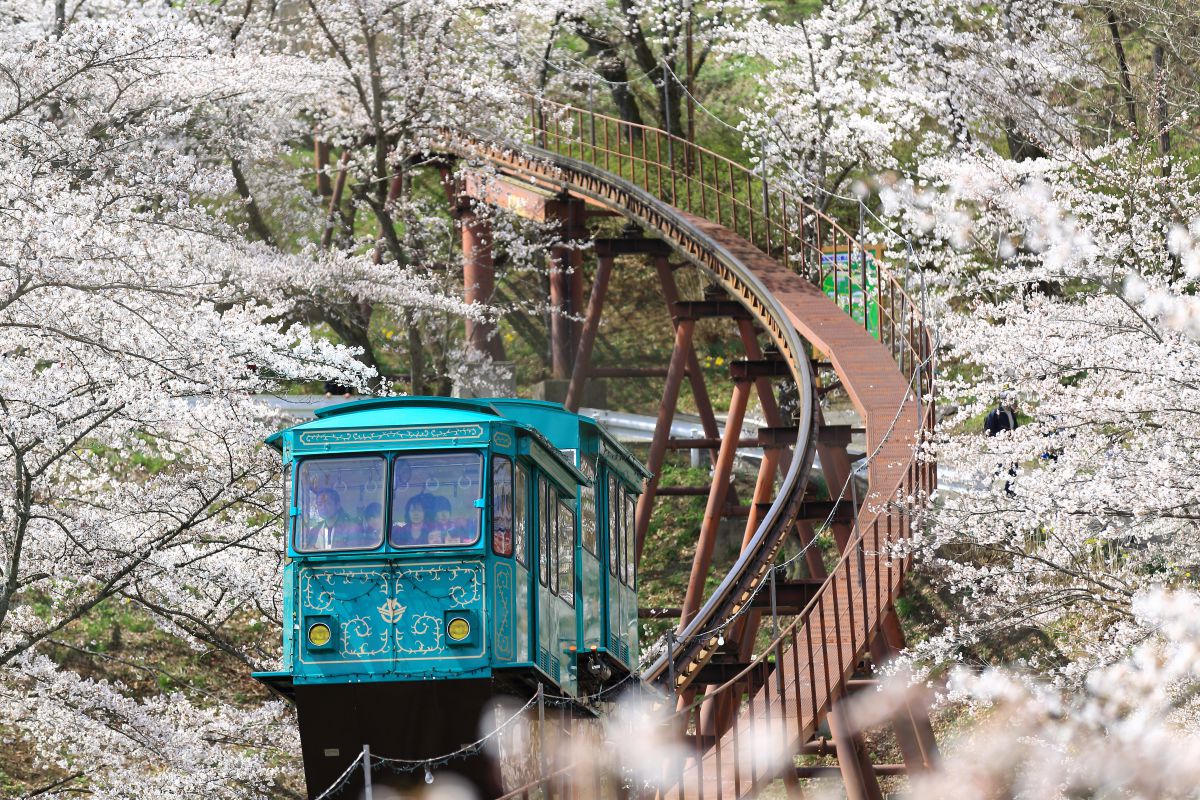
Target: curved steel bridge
(770, 252)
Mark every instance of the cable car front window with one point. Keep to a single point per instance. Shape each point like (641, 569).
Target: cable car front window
(434, 499)
(341, 504)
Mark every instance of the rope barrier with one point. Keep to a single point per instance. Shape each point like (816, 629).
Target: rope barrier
(403, 765)
(342, 779)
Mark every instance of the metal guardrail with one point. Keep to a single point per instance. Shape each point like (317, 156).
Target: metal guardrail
(652, 175)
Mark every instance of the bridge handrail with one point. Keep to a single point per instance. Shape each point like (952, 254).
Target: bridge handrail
(752, 206)
(581, 177)
(782, 225)
(802, 237)
(801, 243)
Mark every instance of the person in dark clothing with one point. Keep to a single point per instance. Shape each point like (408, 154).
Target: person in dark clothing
(333, 388)
(1003, 417)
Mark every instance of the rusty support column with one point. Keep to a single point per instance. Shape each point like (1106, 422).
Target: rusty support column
(591, 325)
(722, 471)
(857, 774)
(662, 427)
(560, 326)
(812, 553)
(766, 392)
(566, 290)
(921, 727)
(577, 212)
(703, 405)
(835, 465)
(902, 723)
(479, 280)
(717, 713)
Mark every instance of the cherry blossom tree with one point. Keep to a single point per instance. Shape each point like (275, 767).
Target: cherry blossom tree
(134, 333)
(1023, 159)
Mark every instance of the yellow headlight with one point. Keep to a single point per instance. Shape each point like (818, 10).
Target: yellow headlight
(458, 629)
(318, 634)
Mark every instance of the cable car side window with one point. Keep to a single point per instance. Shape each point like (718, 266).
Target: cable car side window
(630, 544)
(502, 506)
(566, 553)
(543, 532)
(614, 525)
(520, 516)
(433, 499)
(587, 505)
(287, 502)
(341, 504)
(553, 559)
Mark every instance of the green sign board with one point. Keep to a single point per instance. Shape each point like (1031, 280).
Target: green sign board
(844, 284)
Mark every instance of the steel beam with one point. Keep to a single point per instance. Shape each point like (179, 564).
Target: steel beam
(858, 776)
(631, 245)
(759, 369)
(893, 635)
(722, 471)
(837, 435)
(518, 197)
(709, 309)
(479, 281)
(591, 325)
(662, 427)
(694, 374)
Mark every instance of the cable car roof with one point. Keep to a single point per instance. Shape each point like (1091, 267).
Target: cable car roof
(380, 412)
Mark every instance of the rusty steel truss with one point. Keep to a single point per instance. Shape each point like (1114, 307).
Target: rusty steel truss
(768, 251)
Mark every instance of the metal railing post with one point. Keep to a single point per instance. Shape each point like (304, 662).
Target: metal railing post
(366, 770)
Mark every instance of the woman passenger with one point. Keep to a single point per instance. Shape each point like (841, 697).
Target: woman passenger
(418, 522)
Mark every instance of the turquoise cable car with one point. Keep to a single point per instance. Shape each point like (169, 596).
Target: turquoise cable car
(441, 552)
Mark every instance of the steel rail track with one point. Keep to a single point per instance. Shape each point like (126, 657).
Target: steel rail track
(753, 564)
(749, 234)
